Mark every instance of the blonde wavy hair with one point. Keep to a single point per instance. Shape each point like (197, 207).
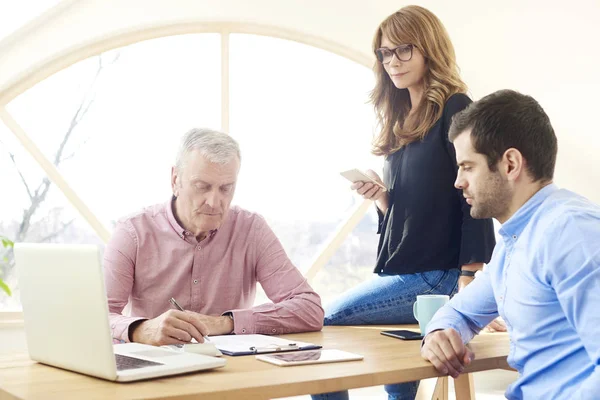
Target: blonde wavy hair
(420, 27)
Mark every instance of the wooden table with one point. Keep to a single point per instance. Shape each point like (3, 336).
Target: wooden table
(387, 360)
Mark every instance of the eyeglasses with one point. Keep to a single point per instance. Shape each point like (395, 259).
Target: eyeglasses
(403, 53)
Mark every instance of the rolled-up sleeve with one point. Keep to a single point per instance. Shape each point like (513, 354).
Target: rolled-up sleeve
(119, 270)
(295, 308)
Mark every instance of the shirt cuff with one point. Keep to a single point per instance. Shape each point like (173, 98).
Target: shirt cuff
(243, 323)
(466, 336)
(120, 330)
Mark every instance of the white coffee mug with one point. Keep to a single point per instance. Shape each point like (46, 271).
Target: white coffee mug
(426, 306)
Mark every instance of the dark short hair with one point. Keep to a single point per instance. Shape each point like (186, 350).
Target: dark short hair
(507, 119)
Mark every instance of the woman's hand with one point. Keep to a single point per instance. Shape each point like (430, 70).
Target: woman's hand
(370, 191)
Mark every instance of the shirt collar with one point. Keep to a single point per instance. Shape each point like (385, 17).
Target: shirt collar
(181, 232)
(515, 224)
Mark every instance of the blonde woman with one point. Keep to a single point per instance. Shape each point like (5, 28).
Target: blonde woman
(429, 244)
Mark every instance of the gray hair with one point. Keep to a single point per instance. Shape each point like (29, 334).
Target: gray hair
(217, 147)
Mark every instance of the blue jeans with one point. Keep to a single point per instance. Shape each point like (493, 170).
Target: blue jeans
(387, 300)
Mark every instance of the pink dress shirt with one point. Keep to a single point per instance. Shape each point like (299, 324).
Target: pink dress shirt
(151, 258)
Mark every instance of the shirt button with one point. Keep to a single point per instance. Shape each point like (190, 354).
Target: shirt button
(515, 237)
(199, 248)
(244, 330)
(274, 330)
(195, 281)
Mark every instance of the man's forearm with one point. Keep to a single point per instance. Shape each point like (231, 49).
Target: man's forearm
(222, 325)
(302, 313)
(448, 317)
(469, 311)
(132, 327)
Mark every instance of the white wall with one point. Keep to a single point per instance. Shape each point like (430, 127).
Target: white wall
(548, 49)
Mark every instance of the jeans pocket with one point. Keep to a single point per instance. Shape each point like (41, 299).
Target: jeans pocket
(433, 278)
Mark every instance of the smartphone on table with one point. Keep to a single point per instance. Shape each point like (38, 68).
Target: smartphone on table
(403, 334)
(356, 175)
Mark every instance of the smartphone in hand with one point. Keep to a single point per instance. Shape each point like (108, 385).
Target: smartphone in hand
(356, 175)
(403, 334)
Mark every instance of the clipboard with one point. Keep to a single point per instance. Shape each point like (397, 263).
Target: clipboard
(245, 345)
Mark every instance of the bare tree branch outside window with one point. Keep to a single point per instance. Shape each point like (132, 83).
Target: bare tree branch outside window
(50, 227)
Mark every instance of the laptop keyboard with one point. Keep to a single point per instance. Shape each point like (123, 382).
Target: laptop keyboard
(125, 362)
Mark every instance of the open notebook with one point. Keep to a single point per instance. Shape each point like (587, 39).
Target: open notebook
(241, 345)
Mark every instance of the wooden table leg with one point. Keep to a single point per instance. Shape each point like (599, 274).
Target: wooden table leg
(441, 389)
(463, 387)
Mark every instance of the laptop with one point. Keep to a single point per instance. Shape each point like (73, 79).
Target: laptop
(66, 318)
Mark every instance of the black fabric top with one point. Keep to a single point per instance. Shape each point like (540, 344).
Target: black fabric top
(428, 225)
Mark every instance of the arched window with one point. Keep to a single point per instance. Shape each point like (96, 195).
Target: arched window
(112, 123)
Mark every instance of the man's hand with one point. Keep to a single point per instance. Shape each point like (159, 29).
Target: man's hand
(446, 351)
(178, 327)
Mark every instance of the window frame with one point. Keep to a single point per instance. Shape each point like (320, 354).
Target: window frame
(10, 319)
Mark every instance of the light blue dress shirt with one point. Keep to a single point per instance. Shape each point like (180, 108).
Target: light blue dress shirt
(544, 280)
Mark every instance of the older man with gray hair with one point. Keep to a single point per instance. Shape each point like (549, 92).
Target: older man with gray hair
(206, 255)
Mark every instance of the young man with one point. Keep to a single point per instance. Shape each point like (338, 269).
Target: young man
(544, 276)
(205, 254)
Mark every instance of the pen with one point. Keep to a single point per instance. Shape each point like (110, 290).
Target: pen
(177, 306)
(274, 348)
